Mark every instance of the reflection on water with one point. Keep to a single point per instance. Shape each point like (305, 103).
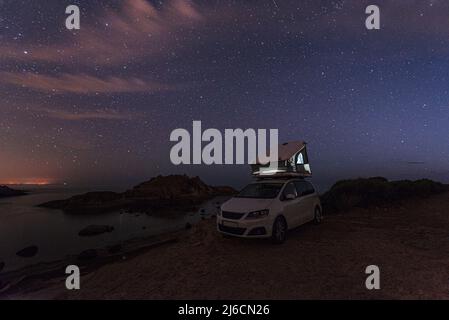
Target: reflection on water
(22, 224)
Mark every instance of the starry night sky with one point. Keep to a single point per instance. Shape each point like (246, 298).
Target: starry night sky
(96, 106)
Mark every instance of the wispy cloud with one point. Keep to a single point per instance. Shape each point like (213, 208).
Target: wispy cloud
(139, 29)
(81, 83)
(100, 114)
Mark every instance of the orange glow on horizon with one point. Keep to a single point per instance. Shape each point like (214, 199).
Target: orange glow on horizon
(36, 182)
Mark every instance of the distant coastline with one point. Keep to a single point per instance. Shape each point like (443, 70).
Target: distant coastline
(9, 192)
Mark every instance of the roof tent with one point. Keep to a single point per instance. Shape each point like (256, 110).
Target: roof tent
(293, 161)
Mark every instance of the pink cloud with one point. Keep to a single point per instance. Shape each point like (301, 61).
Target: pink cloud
(81, 83)
(138, 29)
(88, 115)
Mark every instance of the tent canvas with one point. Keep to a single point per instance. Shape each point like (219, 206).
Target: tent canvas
(292, 161)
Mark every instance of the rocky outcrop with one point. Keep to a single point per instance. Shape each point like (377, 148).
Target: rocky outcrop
(376, 192)
(162, 193)
(89, 202)
(95, 230)
(171, 187)
(8, 192)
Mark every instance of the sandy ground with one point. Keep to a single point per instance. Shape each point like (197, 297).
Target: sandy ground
(410, 244)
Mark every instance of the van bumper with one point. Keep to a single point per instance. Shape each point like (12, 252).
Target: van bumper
(258, 228)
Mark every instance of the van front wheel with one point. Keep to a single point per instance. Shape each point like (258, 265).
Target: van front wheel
(279, 234)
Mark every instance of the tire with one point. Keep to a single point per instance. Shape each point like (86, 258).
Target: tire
(279, 233)
(318, 218)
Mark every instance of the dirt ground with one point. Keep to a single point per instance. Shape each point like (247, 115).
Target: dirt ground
(409, 243)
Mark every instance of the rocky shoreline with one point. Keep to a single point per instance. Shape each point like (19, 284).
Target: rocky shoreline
(34, 277)
(317, 262)
(154, 267)
(172, 195)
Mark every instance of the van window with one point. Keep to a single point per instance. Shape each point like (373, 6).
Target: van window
(261, 191)
(310, 188)
(289, 189)
(301, 188)
(304, 188)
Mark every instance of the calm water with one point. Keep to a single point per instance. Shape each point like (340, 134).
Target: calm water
(22, 224)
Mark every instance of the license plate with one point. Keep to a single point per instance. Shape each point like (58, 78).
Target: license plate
(230, 224)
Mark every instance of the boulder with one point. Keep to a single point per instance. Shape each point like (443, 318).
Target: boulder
(95, 230)
(28, 252)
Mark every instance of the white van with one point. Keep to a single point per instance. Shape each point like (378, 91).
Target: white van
(270, 207)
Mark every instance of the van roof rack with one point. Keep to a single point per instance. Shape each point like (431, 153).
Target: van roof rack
(279, 177)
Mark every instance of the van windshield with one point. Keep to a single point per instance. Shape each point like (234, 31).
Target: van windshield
(261, 191)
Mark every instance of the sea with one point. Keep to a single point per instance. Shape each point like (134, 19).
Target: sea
(55, 233)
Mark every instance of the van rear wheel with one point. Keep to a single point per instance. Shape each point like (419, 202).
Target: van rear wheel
(279, 234)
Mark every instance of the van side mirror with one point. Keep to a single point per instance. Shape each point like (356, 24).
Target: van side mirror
(290, 196)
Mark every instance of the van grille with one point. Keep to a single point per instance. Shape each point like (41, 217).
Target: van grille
(232, 215)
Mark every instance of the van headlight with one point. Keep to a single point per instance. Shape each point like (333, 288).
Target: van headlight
(258, 214)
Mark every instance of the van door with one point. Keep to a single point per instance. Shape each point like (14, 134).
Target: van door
(306, 192)
(291, 207)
